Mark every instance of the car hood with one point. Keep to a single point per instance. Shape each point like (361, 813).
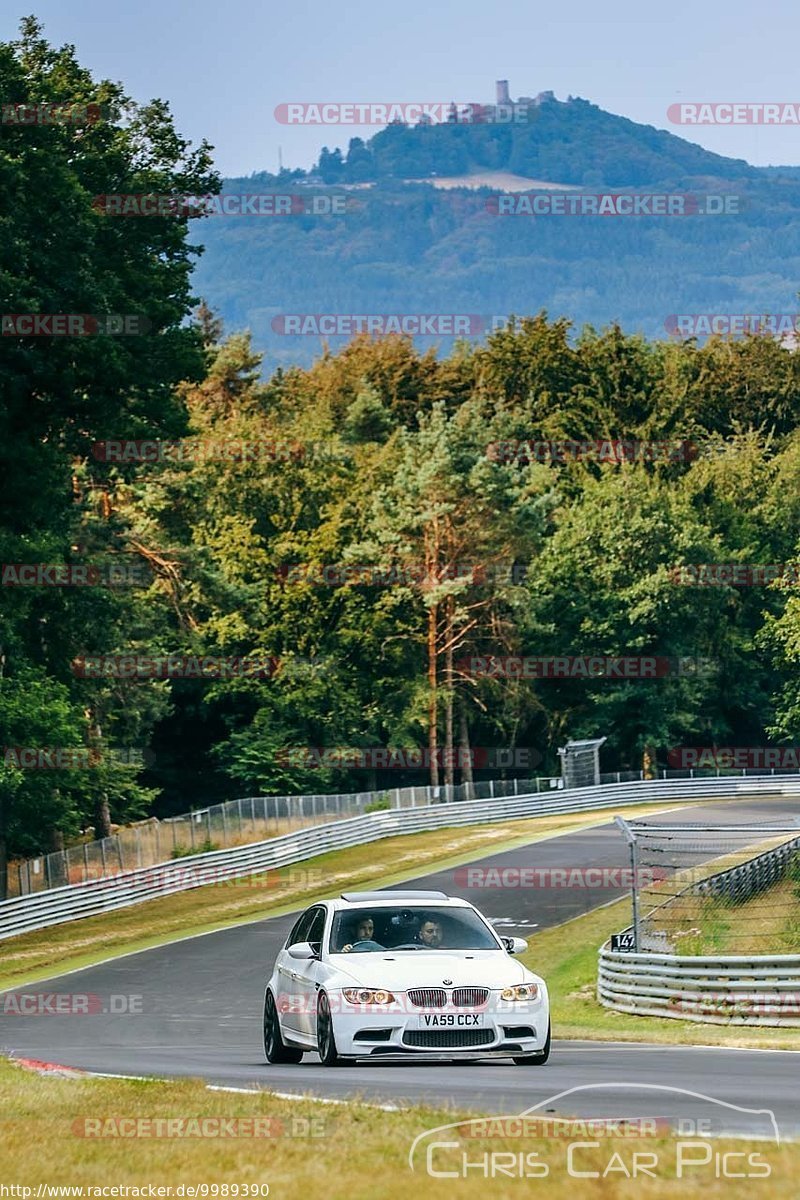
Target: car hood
(429, 968)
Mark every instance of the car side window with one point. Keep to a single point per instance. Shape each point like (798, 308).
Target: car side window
(300, 931)
(317, 927)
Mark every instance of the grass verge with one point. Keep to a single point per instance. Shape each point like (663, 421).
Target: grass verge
(566, 956)
(354, 1151)
(47, 952)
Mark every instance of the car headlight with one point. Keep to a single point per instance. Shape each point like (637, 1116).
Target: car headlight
(522, 991)
(367, 996)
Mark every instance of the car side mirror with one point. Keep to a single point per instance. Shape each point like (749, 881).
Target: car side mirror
(303, 950)
(515, 945)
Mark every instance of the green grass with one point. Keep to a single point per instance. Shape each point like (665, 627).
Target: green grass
(339, 1152)
(566, 956)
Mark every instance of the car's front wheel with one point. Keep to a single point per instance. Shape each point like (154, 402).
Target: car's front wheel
(535, 1060)
(326, 1041)
(275, 1049)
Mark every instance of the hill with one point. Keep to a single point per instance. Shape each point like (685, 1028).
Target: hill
(412, 239)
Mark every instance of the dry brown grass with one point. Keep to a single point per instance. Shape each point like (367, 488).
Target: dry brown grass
(358, 1153)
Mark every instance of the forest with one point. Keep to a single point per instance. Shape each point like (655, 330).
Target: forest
(223, 578)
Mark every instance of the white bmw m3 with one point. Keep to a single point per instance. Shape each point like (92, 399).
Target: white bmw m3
(402, 973)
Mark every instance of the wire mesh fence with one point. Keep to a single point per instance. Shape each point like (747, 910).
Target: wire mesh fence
(702, 890)
(236, 823)
(255, 818)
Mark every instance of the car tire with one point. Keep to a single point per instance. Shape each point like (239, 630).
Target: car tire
(275, 1049)
(326, 1042)
(535, 1060)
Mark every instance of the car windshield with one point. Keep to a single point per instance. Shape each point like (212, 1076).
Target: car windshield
(371, 930)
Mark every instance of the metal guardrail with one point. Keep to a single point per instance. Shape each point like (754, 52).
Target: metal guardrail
(253, 818)
(235, 823)
(738, 884)
(97, 896)
(717, 990)
(761, 989)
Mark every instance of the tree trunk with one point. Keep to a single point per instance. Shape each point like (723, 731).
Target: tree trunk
(649, 762)
(449, 773)
(3, 866)
(433, 707)
(465, 756)
(102, 817)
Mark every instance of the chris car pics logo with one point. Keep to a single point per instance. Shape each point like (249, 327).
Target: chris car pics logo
(645, 1144)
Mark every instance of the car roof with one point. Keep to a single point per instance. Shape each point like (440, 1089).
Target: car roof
(408, 898)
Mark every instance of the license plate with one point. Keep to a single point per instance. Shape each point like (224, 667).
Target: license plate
(459, 1020)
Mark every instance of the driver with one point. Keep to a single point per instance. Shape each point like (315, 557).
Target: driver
(364, 934)
(430, 933)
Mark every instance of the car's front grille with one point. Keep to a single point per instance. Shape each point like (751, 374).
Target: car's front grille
(427, 997)
(448, 1039)
(470, 997)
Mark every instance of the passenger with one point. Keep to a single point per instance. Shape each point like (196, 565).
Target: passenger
(430, 933)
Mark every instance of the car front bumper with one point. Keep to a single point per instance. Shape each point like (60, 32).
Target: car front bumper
(497, 1028)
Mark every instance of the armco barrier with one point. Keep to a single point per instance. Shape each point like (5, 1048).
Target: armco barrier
(726, 990)
(131, 887)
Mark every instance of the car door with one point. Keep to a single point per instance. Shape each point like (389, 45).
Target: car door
(289, 999)
(308, 974)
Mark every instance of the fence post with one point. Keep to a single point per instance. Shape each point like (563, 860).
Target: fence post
(253, 815)
(239, 810)
(224, 808)
(208, 825)
(85, 863)
(119, 851)
(630, 837)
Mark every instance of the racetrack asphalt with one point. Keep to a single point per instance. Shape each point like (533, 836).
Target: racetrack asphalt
(201, 1006)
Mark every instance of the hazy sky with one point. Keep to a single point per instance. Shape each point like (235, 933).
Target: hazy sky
(224, 66)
